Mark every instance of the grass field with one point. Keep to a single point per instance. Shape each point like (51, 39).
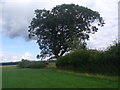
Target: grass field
(14, 77)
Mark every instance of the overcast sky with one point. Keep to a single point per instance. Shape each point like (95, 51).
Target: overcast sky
(16, 15)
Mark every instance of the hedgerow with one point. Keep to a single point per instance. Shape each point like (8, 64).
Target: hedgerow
(30, 64)
(93, 61)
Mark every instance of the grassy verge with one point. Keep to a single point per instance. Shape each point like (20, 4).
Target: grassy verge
(100, 76)
(51, 78)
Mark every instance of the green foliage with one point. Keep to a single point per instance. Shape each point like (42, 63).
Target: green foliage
(74, 59)
(93, 61)
(114, 54)
(64, 28)
(24, 64)
(30, 64)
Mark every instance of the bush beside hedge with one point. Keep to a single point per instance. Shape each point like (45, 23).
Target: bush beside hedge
(30, 64)
(93, 61)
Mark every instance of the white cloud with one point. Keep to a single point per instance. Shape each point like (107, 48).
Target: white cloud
(27, 55)
(13, 57)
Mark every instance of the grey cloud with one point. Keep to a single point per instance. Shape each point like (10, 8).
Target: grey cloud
(15, 24)
(17, 17)
(16, 28)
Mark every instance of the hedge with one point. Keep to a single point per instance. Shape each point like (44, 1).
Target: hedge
(93, 61)
(30, 64)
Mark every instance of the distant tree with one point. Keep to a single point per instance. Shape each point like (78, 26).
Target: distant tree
(64, 28)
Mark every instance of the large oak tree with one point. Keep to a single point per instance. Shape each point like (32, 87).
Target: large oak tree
(64, 28)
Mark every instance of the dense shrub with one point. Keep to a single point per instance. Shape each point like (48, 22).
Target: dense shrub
(30, 64)
(74, 59)
(24, 64)
(93, 61)
(114, 52)
(37, 65)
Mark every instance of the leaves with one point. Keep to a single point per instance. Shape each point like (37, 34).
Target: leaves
(64, 28)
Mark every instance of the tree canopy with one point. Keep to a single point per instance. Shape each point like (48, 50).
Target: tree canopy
(64, 28)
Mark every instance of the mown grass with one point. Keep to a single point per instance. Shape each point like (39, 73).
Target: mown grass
(0, 78)
(14, 77)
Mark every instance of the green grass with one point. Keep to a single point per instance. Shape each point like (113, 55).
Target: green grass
(14, 77)
(0, 78)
